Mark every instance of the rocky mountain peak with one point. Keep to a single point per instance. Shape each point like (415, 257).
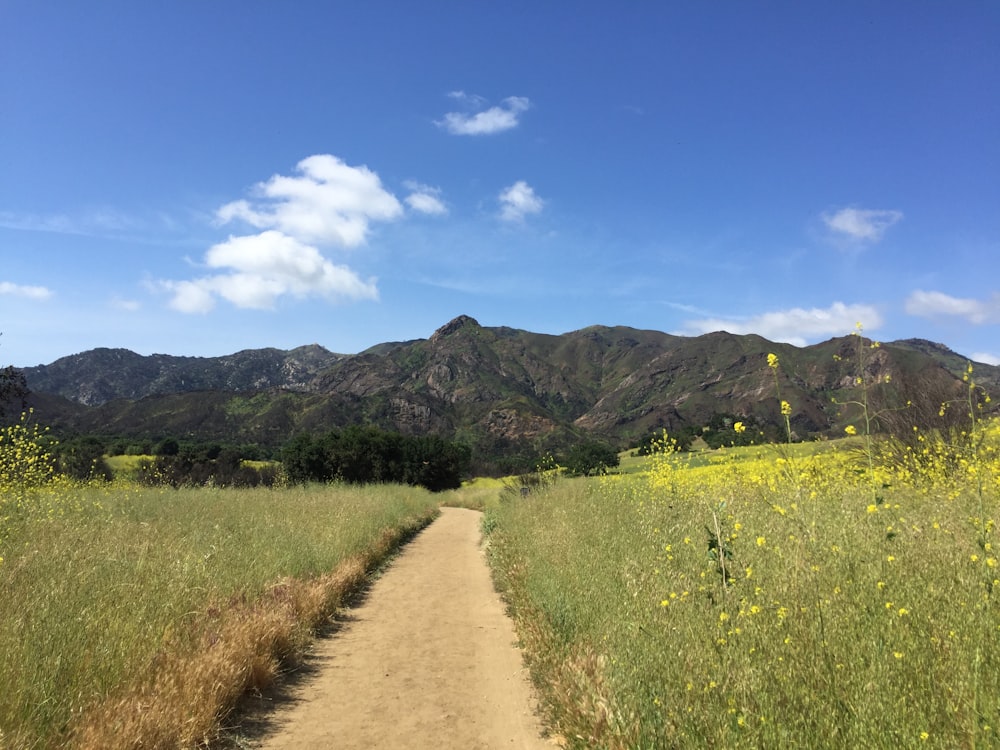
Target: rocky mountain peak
(452, 326)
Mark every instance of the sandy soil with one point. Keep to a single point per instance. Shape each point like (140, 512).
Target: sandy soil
(426, 661)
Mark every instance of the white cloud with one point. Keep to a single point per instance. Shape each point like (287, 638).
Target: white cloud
(258, 269)
(190, 296)
(22, 290)
(329, 202)
(425, 199)
(125, 305)
(986, 358)
(861, 225)
(58, 223)
(485, 121)
(797, 326)
(934, 304)
(519, 200)
(471, 100)
(93, 222)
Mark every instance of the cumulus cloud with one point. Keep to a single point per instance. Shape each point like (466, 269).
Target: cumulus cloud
(797, 326)
(255, 270)
(861, 225)
(485, 121)
(425, 199)
(935, 304)
(986, 358)
(327, 202)
(190, 296)
(22, 290)
(519, 200)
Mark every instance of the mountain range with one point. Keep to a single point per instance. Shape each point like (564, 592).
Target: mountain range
(500, 389)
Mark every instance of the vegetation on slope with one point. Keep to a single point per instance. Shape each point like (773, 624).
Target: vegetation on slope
(510, 395)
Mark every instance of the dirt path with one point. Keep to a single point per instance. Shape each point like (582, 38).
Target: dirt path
(427, 661)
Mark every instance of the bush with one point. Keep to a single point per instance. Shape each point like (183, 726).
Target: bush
(83, 458)
(591, 459)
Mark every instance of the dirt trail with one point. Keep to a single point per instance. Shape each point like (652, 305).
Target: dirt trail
(427, 661)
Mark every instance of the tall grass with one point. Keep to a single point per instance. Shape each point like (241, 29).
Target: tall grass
(136, 618)
(764, 600)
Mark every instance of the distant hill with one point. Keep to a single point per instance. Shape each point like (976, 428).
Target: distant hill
(100, 375)
(500, 389)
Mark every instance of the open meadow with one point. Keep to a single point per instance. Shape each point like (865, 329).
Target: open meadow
(765, 597)
(840, 593)
(137, 617)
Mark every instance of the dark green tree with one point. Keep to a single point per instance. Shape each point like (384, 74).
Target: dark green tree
(304, 459)
(654, 441)
(83, 458)
(363, 455)
(591, 458)
(168, 447)
(13, 391)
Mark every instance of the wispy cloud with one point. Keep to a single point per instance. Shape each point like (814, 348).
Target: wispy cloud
(125, 305)
(484, 121)
(986, 358)
(689, 309)
(257, 270)
(425, 199)
(519, 200)
(859, 224)
(937, 304)
(93, 222)
(23, 290)
(797, 326)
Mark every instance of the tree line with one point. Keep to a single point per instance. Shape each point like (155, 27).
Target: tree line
(361, 455)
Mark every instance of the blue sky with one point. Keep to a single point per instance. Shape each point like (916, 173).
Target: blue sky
(199, 178)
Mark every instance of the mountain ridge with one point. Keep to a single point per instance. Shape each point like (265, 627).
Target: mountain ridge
(499, 388)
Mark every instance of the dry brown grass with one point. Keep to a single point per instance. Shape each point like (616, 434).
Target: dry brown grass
(234, 648)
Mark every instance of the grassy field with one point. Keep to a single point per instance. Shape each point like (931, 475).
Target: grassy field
(137, 617)
(816, 595)
(764, 597)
